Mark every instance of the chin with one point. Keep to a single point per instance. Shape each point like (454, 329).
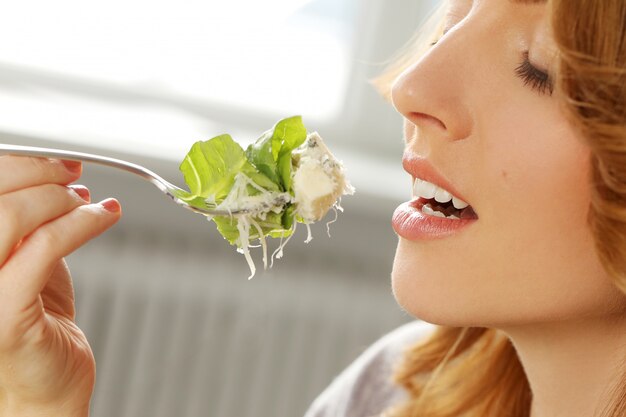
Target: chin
(434, 294)
(420, 298)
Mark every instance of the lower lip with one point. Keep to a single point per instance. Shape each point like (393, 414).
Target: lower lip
(410, 223)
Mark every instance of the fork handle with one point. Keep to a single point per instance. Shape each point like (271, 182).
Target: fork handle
(6, 149)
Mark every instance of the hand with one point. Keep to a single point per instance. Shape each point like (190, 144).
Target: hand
(46, 365)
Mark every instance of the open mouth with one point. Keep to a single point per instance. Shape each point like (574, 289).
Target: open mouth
(434, 208)
(438, 202)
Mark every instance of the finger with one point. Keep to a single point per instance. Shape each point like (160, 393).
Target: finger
(23, 211)
(17, 172)
(25, 275)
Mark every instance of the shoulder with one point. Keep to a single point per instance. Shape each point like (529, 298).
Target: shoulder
(365, 388)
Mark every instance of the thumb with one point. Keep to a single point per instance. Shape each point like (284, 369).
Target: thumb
(58, 294)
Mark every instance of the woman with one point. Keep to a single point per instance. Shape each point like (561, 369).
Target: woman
(518, 111)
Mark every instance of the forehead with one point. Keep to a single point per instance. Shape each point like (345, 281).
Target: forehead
(514, 2)
(527, 2)
(529, 17)
(461, 8)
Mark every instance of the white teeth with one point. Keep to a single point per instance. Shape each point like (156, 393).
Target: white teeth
(442, 196)
(458, 203)
(427, 209)
(424, 189)
(429, 191)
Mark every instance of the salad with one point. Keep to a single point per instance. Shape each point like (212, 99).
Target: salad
(288, 176)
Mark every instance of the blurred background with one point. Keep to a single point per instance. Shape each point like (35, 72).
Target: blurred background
(176, 327)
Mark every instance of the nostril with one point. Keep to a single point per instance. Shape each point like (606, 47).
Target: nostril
(422, 119)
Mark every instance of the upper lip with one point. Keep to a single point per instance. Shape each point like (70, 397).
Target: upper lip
(421, 168)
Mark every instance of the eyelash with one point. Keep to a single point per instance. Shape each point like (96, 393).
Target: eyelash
(530, 75)
(536, 78)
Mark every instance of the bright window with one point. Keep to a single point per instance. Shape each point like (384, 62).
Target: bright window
(274, 56)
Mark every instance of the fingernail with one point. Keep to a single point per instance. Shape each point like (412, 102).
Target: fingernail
(82, 191)
(111, 205)
(73, 167)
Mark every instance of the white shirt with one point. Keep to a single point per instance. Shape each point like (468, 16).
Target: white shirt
(365, 388)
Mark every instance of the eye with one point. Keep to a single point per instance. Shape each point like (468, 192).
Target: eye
(537, 79)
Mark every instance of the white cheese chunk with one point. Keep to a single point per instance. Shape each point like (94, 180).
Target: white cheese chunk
(318, 179)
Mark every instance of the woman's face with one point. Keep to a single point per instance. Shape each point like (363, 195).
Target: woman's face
(474, 112)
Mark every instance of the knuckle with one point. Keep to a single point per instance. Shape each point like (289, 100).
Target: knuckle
(24, 165)
(64, 196)
(39, 166)
(6, 209)
(56, 190)
(46, 239)
(11, 220)
(46, 170)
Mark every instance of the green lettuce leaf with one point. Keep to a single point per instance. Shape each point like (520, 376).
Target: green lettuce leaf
(210, 168)
(271, 153)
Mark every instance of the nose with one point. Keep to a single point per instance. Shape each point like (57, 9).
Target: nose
(433, 93)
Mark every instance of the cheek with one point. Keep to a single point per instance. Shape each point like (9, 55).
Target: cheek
(537, 224)
(537, 182)
(538, 188)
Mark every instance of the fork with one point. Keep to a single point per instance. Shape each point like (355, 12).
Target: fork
(172, 191)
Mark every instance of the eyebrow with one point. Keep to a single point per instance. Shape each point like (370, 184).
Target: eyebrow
(528, 1)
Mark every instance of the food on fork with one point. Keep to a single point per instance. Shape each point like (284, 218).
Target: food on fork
(287, 176)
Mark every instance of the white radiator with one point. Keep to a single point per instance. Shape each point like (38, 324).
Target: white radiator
(178, 330)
